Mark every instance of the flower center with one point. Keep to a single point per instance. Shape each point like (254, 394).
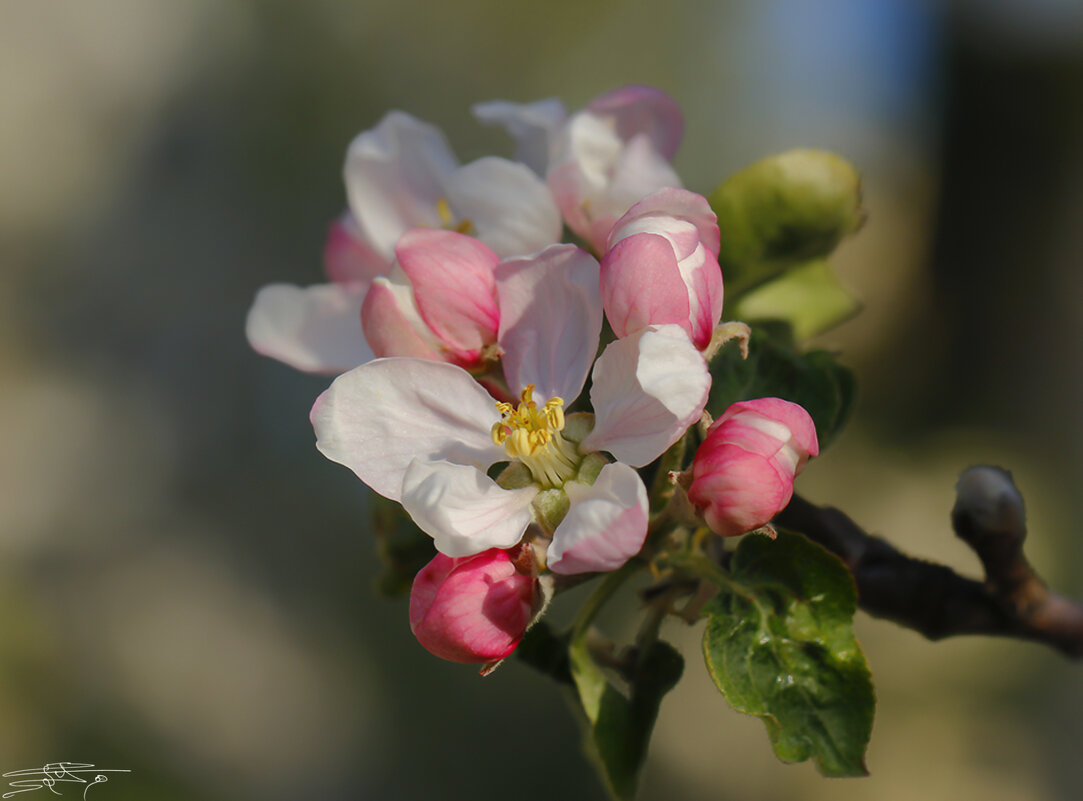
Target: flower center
(447, 219)
(532, 435)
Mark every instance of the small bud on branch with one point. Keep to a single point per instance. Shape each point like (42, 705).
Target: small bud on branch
(933, 599)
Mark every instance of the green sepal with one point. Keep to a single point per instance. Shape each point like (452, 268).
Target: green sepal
(515, 476)
(779, 644)
(590, 469)
(809, 297)
(673, 459)
(782, 211)
(403, 548)
(577, 426)
(776, 368)
(550, 507)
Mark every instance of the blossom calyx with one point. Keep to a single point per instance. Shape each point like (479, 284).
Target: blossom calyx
(474, 609)
(743, 472)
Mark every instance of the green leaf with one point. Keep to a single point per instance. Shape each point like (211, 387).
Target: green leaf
(810, 298)
(618, 726)
(782, 211)
(779, 644)
(776, 369)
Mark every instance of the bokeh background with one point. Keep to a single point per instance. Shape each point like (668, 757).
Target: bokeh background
(186, 584)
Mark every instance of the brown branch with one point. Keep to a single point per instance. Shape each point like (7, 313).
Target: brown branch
(935, 600)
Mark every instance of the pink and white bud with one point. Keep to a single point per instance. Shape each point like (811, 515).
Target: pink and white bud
(474, 609)
(661, 267)
(743, 472)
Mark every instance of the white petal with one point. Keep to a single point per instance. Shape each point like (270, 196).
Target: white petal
(378, 418)
(532, 126)
(593, 145)
(550, 320)
(648, 389)
(605, 526)
(395, 175)
(511, 207)
(639, 171)
(462, 509)
(596, 176)
(316, 329)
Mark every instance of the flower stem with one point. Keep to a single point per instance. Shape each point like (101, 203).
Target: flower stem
(602, 593)
(700, 566)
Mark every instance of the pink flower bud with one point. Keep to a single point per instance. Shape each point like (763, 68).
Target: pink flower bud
(743, 472)
(662, 267)
(476, 608)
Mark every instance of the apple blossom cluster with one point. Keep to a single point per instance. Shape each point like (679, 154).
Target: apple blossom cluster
(463, 330)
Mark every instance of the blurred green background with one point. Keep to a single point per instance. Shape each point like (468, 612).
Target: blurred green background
(185, 583)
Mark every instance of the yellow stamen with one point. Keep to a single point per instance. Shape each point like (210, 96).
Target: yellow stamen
(447, 219)
(532, 436)
(443, 208)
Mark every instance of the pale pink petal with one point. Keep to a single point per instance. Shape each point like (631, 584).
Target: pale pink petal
(639, 171)
(347, 256)
(316, 329)
(550, 320)
(392, 325)
(605, 525)
(452, 277)
(648, 389)
(509, 206)
(462, 509)
(395, 175)
(643, 110)
(596, 177)
(472, 609)
(380, 417)
(531, 125)
(584, 156)
(704, 278)
(642, 285)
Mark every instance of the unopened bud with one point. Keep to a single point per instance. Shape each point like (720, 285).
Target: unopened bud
(743, 472)
(473, 609)
(661, 267)
(990, 517)
(782, 211)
